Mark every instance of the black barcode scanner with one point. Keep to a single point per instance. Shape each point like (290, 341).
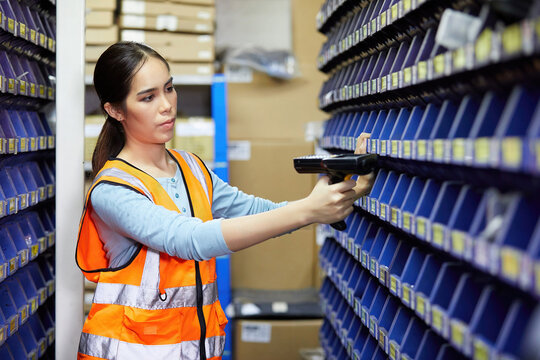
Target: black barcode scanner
(338, 168)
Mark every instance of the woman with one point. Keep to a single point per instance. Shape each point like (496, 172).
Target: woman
(155, 219)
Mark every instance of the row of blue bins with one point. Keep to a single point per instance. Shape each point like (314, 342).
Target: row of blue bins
(24, 237)
(379, 72)
(413, 62)
(34, 337)
(388, 285)
(359, 28)
(499, 130)
(29, 21)
(24, 292)
(25, 183)
(441, 260)
(496, 232)
(330, 12)
(352, 339)
(24, 76)
(27, 179)
(24, 131)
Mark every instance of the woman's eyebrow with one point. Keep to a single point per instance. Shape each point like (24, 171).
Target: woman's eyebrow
(152, 89)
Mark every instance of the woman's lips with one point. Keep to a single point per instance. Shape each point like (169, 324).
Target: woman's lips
(167, 124)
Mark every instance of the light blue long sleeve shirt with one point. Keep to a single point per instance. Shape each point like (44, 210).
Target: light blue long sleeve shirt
(125, 219)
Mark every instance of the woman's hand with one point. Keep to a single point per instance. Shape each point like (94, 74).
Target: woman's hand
(329, 203)
(363, 183)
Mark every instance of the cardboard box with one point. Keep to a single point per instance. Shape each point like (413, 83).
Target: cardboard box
(141, 7)
(188, 54)
(264, 169)
(89, 68)
(196, 135)
(275, 339)
(92, 128)
(281, 108)
(199, 69)
(283, 263)
(175, 47)
(93, 52)
(166, 22)
(103, 18)
(101, 4)
(101, 36)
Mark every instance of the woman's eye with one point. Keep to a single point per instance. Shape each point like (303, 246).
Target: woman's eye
(148, 98)
(170, 89)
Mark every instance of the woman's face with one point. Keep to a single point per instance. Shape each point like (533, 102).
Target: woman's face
(150, 106)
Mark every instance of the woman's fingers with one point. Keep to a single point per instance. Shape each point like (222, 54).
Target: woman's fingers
(361, 143)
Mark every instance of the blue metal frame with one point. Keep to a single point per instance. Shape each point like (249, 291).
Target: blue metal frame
(219, 114)
(221, 168)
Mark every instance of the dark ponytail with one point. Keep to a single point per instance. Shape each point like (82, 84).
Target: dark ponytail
(113, 73)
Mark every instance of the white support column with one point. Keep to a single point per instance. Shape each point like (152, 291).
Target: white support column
(70, 42)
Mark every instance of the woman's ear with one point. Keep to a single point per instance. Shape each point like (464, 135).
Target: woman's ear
(114, 111)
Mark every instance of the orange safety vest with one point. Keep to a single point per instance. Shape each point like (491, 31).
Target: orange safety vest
(157, 306)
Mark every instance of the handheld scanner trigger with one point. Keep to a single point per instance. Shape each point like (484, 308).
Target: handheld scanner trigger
(337, 177)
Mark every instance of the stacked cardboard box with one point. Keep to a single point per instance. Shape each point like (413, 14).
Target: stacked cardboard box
(181, 31)
(195, 134)
(101, 30)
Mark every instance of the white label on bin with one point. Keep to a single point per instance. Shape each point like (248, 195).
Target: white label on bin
(167, 22)
(205, 70)
(256, 332)
(135, 21)
(204, 38)
(133, 35)
(133, 7)
(202, 27)
(204, 15)
(205, 54)
(280, 307)
(239, 150)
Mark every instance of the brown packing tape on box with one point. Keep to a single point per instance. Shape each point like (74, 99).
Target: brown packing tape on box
(101, 4)
(102, 36)
(274, 339)
(99, 18)
(139, 7)
(166, 22)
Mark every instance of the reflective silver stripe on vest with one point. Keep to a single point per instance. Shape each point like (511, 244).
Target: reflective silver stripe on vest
(114, 172)
(150, 275)
(148, 298)
(113, 349)
(196, 170)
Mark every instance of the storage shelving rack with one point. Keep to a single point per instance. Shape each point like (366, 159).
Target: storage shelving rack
(27, 179)
(442, 259)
